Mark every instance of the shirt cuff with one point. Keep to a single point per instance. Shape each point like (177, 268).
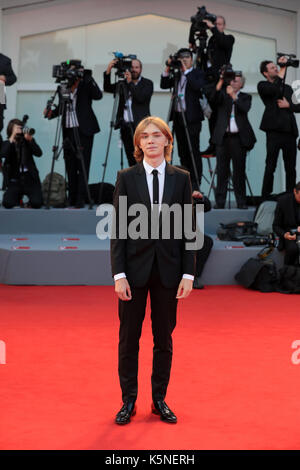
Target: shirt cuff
(188, 276)
(119, 276)
(165, 74)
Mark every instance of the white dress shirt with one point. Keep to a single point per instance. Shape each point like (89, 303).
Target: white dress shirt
(161, 181)
(233, 128)
(127, 115)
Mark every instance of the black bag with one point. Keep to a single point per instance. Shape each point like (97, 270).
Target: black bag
(236, 231)
(107, 193)
(289, 279)
(259, 275)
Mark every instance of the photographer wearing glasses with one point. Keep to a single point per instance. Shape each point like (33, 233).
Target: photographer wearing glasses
(278, 122)
(287, 225)
(133, 107)
(189, 91)
(21, 176)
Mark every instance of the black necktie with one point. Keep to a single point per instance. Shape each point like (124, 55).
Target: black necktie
(155, 186)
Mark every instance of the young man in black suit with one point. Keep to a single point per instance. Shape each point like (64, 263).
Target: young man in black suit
(279, 123)
(163, 267)
(130, 112)
(190, 86)
(287, 217)
(83, 92)
(233, 137)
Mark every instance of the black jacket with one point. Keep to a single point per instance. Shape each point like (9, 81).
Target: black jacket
(193, 92)
(135, 257)
(223, 103)
(87, 91)
(6, 69)
(275, 118)
(219, 48)
(14, 159)
(141, 94)
(286, 216)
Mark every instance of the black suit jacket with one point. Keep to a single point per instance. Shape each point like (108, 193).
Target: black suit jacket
(285, 217)
(135, 257)
(219, 48)
(12, 162)
(87, 91)
(223, 103)
(6, 69)
(275, 118)
(193, 92)
(141, 94)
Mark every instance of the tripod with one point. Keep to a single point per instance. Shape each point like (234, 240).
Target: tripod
(121, 91)
(66, 105)
(174, 104)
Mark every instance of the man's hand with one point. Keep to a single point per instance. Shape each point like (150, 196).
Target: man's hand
(184, 289)
(282, 60)
(209, 23)
(28, 137)
(128, 76)
(3, 78)
(283, 103)
(122, 289)
(111, 65)
(197, 195)
(230, 92)
(288, 236)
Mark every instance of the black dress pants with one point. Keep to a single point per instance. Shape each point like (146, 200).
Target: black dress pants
(127, 132)
(183, 147)
(28, 185)
(76, 181)
(163, 317)
(203, 254)
(286, 142)
(231, 150)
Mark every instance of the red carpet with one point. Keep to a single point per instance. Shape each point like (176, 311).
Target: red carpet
(233, 384)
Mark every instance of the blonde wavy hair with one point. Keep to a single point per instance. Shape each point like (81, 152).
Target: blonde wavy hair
(162, 126)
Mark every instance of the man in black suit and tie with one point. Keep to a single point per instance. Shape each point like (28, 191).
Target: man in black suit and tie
(190, 86)
(287, 217)
(279, 123)
(163, 267)
(233, 137)
(7, 78)
(136, 107)
(81, 116)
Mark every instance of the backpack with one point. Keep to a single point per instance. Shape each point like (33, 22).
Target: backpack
(264, 217)
(58, 190)
(258, 274)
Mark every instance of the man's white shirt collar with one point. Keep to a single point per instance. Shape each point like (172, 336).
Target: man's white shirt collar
(149, 168)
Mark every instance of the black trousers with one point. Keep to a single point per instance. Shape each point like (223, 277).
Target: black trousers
(286, 142)
(203, 254)
(231, 150)
(127, 132)
(291, 255)
(77, 186)
(26, 185)
(163, 317)
(183, 147)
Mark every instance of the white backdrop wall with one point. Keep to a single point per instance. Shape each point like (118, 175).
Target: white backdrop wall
(37, 38)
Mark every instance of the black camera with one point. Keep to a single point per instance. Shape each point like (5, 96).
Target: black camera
(294, 231)
(124, 63)
(228, 74)
(68, 71)
(175, 64)
(25, 130)
(291, 60)
(198, 25)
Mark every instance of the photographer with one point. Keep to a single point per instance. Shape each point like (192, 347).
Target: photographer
(279, 123)
(20, 173)
(130, 112)
(190, 85)
(287, 219)
(82, 90)
(7, 78)
(233, 136)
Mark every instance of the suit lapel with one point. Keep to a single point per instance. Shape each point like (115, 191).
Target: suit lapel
(142, 186)
(169, 186)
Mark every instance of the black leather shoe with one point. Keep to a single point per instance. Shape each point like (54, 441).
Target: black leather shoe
(160, 408)
(219, 206)
(128, 409)
(197, 284)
